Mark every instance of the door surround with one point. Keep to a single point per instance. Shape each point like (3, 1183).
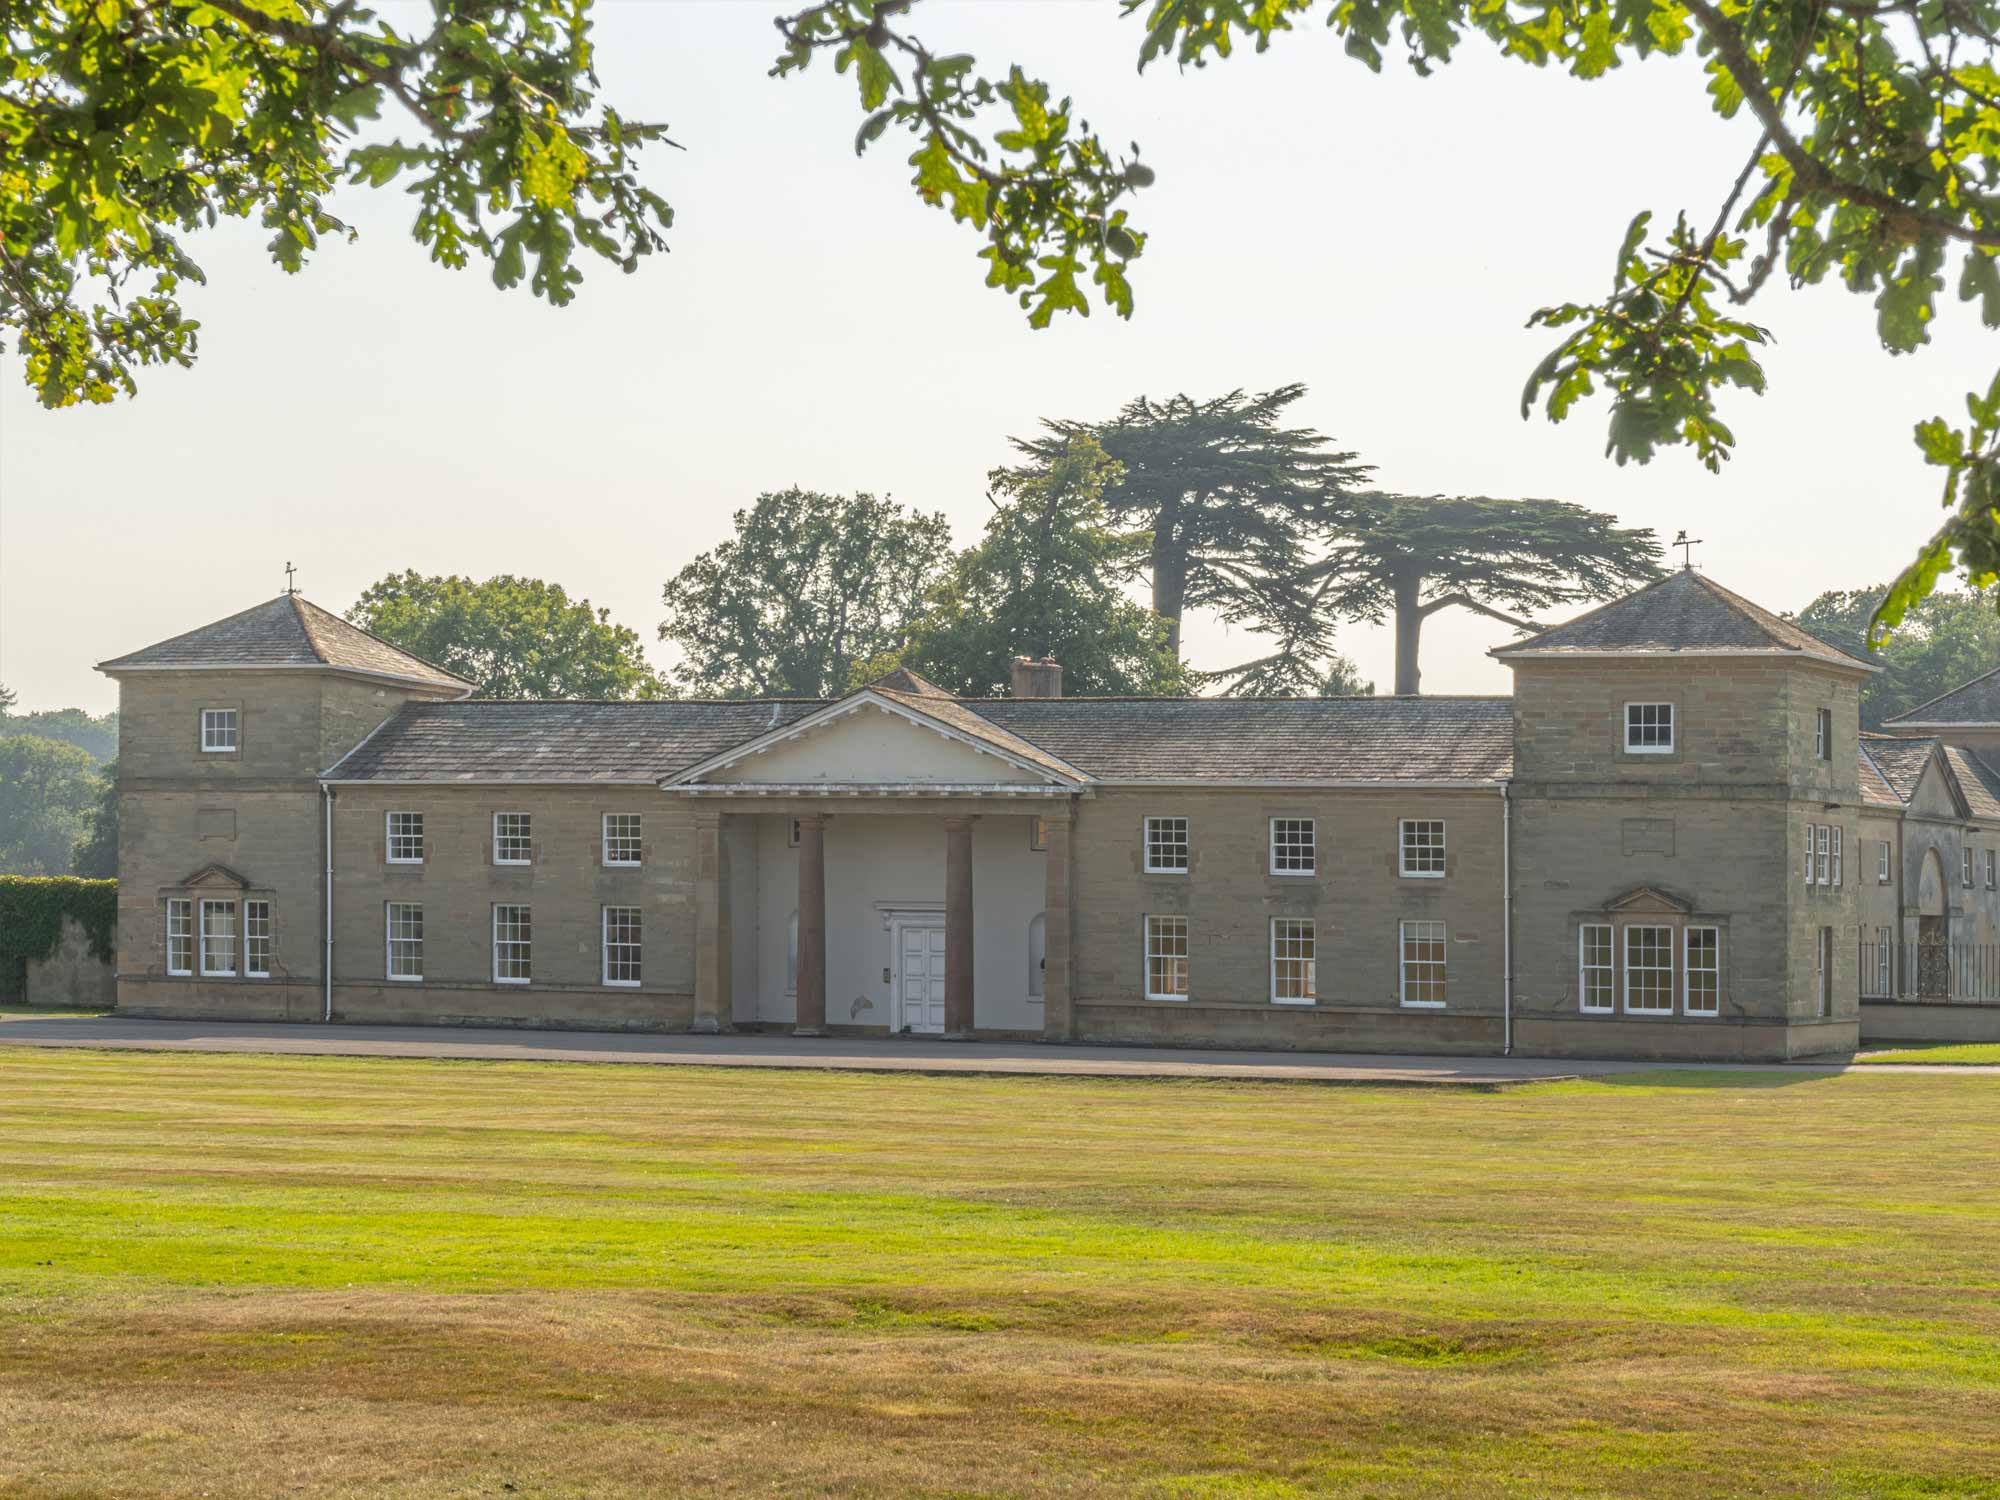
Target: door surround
(896, 916)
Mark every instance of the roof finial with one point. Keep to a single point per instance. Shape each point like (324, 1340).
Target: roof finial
(1687, 544)
(290, 570)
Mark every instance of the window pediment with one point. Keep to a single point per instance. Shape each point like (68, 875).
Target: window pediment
(215, 876)
(1647, 900)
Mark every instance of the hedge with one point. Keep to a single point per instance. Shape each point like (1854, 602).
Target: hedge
(32, 908)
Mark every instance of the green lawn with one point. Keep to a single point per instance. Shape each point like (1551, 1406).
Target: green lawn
(251, 1276)
(1963, 1054)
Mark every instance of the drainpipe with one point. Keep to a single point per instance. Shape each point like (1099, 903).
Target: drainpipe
(1506, 923)
(326, 797)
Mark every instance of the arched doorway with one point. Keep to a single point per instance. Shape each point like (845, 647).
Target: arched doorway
(1933, 930)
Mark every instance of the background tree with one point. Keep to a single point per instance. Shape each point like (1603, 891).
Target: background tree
(1046, 579)
(1945, 641)
(95, 856)
(515, 637)
(1229, 500)
(809, 586)
(46, 790)
(97, 733)
(1871, 157)
(1405, 557)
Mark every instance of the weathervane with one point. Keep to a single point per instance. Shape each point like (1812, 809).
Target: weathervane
(290, 570)
(1687, 544)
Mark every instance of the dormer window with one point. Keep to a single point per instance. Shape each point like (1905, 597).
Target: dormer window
(218, 731)
(1649, 728)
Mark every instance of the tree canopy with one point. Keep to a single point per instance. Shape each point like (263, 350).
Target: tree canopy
(1873, 156)
(128, 125)
(809, 586)
(1229, 501)
(515, 637)
(1046, 579)
(1945, 641)
(1405, 557)
(47, 789)
(97, 733)
(95, 855)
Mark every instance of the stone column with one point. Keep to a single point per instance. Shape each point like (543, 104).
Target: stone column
(811, 1006)
(958, 925)
(713, 1009)
(1058, 1004)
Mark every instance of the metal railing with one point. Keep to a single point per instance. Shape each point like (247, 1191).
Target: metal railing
(1943, 972)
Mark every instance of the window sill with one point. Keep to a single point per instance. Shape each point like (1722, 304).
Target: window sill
(624, 984)
(404, 978)
(1149, 870)
(1293, 874)
(1170, 999)
(1422, 1004)
(1420, 874)
(1305, 1000)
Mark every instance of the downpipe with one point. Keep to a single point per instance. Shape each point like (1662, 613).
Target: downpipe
(326, 798)
(1506, 922)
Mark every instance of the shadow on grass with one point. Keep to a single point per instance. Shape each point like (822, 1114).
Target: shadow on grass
(1701, 1078)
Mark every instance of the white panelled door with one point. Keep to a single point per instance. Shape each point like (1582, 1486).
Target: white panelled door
(923, 978)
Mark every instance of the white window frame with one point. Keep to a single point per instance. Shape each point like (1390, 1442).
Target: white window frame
(1812, 833)
(637, 842)
(1666, 718)
(636, 944)
(1823, 973)
(1631, 970)
(201, 937)
(1838, 835)
(527, 838)
(251, 940)
(1585, 969)
(183, 908)
(1159, 926)
(1404, 828)
(1823, 733)
(1309, 973)
(1404, 962)
(1689, 969)
(391, 837)
(1882, 876)
(1965, 866)
(412, 946)
(227, 724)
(1823, 853)
(1883, 951)
(527, 943)
(1992, 870)
(1294, 846)
(1185, 844)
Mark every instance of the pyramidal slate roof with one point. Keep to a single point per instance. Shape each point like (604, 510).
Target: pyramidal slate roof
(1977, 702)
(1685, 613)
(287, 631)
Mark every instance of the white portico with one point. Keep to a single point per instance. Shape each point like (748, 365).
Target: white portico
(890, 860)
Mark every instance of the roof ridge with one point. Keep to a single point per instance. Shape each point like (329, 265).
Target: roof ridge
(313, 642)
(1592, 613)
(302, 604)
(1939, 698)
(1767, 620)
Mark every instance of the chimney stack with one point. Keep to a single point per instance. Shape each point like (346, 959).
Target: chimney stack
(1037, 679)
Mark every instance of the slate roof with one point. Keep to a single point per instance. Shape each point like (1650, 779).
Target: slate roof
(1977, 702)
(1685, 612)
(1900, 761)
(1875, 788)
(1268, 739)
(1149, 739)
(1978, 782)
(501, 740)
(287, 631)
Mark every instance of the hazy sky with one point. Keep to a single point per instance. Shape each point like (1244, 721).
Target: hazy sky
(1381, 239)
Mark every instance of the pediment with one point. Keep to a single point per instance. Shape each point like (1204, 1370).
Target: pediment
(870, 740)
(215, 877)
(1650, 900)
(1936, 792)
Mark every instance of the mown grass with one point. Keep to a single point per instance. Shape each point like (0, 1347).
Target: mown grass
(260, 1275)
(1963, 1054)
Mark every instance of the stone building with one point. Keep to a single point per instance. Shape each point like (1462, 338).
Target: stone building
(1654, 848)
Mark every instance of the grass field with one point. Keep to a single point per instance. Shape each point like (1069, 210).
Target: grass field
(257, 1276)
(1962, 1054)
